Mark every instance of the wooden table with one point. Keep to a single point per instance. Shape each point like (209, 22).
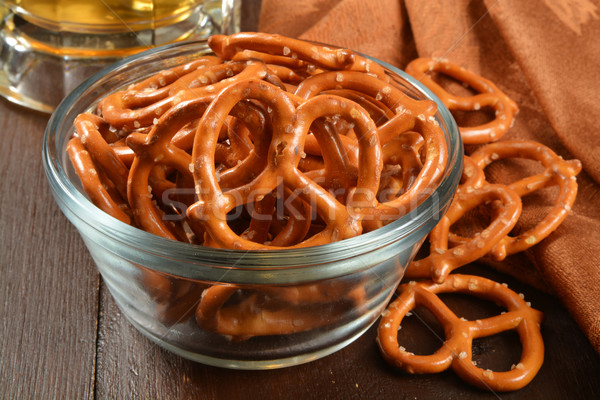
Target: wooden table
(62, 336)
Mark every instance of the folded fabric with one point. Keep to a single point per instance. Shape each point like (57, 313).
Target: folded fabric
(544, 55)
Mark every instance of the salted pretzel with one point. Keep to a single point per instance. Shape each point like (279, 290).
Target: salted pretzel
(442, 260)
(557, 171)
(314, 54)
(408, 114)
(456, 350)
(154, 148)
(88, 128)
(96, 185)
(290, 126)
(489, 95)
(402, 157)
(135, 108)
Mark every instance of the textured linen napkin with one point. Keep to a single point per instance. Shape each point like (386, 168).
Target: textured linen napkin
(545, 55)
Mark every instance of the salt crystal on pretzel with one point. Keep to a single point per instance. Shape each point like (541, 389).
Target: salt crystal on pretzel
(456, 350)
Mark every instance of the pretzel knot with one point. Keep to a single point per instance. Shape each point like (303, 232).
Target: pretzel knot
(442, 260)
(290, 125)
(456, 351)
(489, 96)
(557, 171)
(403, 114)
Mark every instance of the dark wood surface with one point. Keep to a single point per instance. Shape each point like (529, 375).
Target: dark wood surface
(63, 337)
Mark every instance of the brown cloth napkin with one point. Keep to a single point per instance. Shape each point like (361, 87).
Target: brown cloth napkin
(545, 55)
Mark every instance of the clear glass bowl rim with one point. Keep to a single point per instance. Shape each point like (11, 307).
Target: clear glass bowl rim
(199, 257)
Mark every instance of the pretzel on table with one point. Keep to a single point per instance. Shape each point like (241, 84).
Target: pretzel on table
(456, 351)
(489, 95)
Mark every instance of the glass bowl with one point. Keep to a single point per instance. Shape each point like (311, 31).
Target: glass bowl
(158, 283)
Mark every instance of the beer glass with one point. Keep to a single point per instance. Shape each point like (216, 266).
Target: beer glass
(48, 47)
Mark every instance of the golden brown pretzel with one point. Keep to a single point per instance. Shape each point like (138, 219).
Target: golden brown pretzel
(87, 127)
(255, 314)
(442, 260)
(151, 149)
(242, 313)
(409, 114)
(97, 186)
(290, 126)
(134, 108)
(489, 96)
(557, 172)
(148, 99)
(402, 157)
(456, 350)
(314, 54)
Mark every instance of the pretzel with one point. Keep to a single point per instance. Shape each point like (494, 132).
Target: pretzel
(402, 157)
(249, 317)
(456, 350)
(316, 55)
(151, 149)
(275, 310)
(489, 96)
(409, 114)
(443, 260)
(135, 108)
(96, 185)
(88, 129)
(557, 172)
(176, 299)
(283, 158)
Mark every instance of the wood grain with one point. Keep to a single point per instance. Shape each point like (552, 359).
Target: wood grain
(48, 285)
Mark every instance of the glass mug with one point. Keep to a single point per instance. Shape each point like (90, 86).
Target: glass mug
(48, 47)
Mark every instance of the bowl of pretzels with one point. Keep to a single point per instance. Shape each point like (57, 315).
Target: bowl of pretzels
(252, 201)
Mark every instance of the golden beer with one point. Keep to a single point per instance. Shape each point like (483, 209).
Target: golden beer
(104, 16)
(50, 46)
